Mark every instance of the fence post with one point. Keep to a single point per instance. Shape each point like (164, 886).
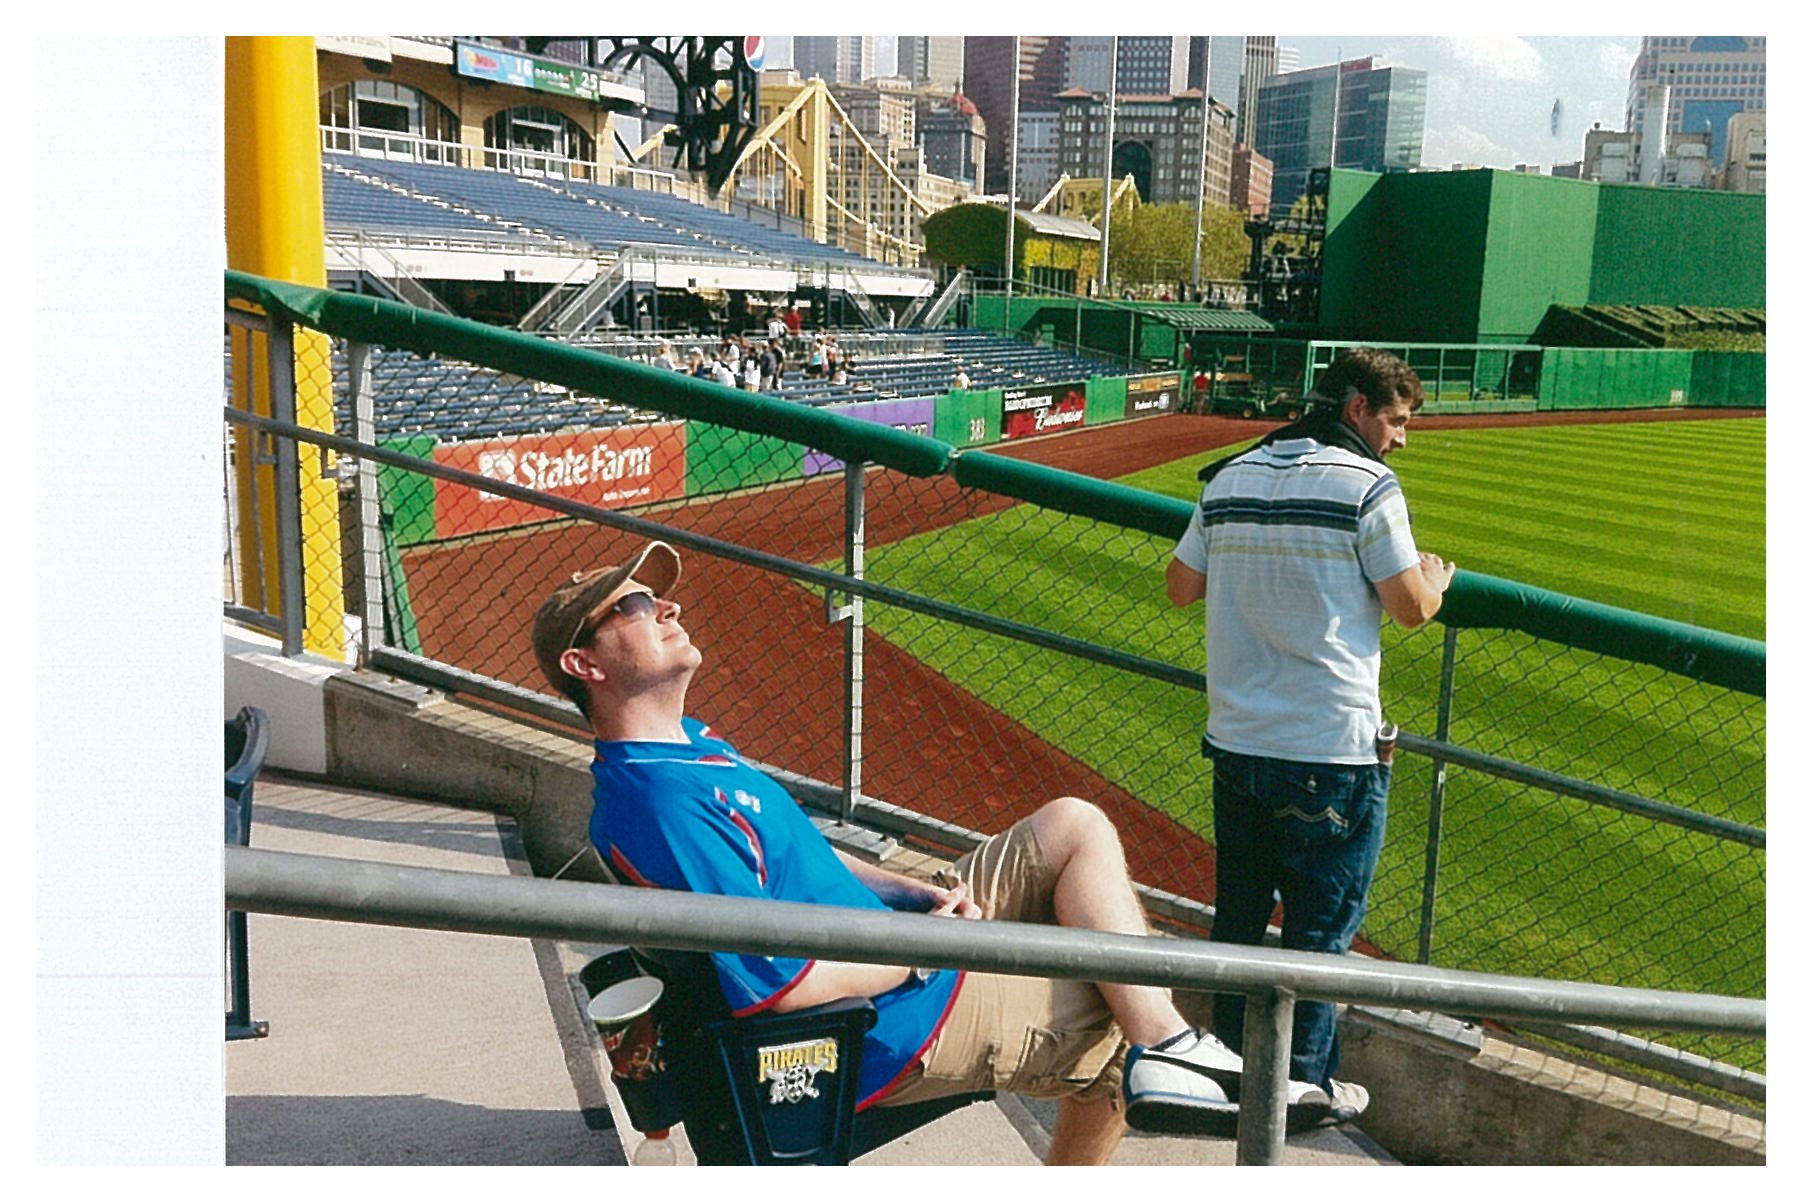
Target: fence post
(852, 614)
(1435, 832)
(1262, 1102)
(287, 490)
(368, 503)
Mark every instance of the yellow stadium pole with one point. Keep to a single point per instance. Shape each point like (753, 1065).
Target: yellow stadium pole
(275, 227)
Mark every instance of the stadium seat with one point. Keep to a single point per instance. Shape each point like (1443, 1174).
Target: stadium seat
(731, 1114)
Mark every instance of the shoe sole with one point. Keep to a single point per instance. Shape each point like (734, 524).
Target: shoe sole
(1182, 1117)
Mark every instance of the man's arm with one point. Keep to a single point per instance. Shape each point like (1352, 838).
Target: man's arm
(1185, 585)
(828, 981)
(1414, 596)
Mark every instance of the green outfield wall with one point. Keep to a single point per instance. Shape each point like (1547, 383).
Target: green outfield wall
(1480, 256)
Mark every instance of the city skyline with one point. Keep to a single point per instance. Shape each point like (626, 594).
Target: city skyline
(1489, 98)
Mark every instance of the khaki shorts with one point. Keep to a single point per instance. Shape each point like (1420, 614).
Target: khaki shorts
(1049, 1038)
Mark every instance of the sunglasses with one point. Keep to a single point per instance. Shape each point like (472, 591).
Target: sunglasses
(631, 606)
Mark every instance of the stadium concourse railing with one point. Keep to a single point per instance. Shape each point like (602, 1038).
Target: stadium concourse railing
(931, 638)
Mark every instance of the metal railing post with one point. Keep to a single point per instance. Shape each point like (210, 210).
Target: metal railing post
(1262, 1104)
(1435, 833)
(368, 503)
(852, 615)
(288, 566)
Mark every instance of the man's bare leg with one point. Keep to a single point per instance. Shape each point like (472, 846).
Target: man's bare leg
(1086, 1133)
(1093, 891)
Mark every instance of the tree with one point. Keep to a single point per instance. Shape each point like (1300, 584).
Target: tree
(1152, 248)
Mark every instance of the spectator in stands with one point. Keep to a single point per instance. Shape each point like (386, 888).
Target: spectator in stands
(1297, 547)
(697, 366)
(723, 374)
(728, 351)
(750, 374)
(777, 327)
(960, 380)
(839, 374)
(665, 358)
(815, 359)
(675, 806)
(769, 364)
(792, 321)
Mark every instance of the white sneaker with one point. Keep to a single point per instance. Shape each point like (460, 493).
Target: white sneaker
(1191, 1091)
(1312, 1107)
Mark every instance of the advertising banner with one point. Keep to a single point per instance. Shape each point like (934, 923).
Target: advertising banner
(522, 70)
(1152, 393)
(1042, 408)
(914, 416)
(608, 468)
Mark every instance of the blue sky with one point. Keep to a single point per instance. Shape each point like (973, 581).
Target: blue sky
(1488, 97)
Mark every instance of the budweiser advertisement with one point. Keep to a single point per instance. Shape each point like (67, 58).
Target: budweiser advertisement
(1042, 408)
(1151, 393)
(608, 468)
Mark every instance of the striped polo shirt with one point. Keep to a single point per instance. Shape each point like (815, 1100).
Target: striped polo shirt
(1292, 538)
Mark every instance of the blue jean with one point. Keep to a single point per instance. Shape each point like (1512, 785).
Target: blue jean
(1308, 834)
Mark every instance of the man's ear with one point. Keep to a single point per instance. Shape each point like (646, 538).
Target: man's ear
(580, 665)
(1356, 408)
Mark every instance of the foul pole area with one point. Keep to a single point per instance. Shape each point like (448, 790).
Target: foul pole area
(275, 227)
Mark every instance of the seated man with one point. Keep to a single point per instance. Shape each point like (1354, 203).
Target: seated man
(675, 806)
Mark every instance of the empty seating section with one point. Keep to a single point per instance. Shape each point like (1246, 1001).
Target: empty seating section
(453, 402)
(607, 219)
(363, 204)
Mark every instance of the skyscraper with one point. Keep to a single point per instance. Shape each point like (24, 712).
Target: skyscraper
(816, 57)
(988, 81)
(1710, 79)
(1376, 112)
(1216, 67)
(1152, 66)
(931, 60)
(1259, 64)
(835, 59)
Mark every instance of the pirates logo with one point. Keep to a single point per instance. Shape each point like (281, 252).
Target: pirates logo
(792, 1070)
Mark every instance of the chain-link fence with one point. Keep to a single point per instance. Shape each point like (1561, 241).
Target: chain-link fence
(1593, 817)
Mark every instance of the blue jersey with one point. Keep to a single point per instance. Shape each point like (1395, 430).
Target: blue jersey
(698, 818)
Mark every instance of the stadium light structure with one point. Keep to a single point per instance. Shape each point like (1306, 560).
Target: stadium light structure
(1106, 187)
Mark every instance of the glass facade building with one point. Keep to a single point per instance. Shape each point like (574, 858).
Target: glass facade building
(1357, 114)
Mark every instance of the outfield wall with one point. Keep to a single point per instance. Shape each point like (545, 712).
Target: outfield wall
(632, 465)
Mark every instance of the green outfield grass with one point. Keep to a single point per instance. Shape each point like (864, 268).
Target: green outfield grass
(1663, 518)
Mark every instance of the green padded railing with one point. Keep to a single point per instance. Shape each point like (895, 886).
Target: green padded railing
(1473, 601)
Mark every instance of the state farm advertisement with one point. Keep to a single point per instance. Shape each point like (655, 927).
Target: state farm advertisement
(1045, 408)
(608, 468)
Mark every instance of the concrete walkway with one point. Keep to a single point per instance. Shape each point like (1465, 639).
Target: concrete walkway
(391, 1046)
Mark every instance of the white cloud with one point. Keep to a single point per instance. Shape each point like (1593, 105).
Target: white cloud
(1616, 60)
(1499, 57)
(1458, 143)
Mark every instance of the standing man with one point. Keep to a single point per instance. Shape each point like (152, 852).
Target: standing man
(1298, 547)
(676, 806)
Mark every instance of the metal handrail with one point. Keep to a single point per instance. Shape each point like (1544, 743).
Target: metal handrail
(300, 885)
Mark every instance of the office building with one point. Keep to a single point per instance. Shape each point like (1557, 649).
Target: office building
(953, 137)
(1746, 153)
(988, 81)
(1157, 140)
(931, 61)
(1710, 80)
(1360, 114)
(835, 59)
(1258, 65)
(1287, 58)
(1252, 177)
(1148, 66)
(1040, 139)
(1216, 67)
